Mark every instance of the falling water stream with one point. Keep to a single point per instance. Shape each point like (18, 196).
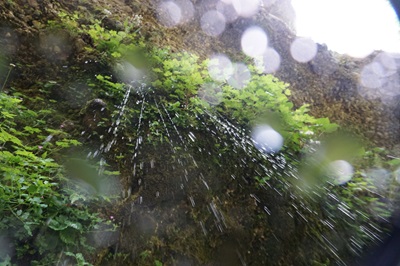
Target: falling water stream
(180, 170)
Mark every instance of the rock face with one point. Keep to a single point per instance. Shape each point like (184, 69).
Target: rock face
(348, 91)
(93, 113)
(361, 94)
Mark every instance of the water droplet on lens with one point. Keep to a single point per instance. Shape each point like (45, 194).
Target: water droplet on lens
(227, 10)
(380, 178)
(211, 93)
(220, 67)
(266, 139)
(254, 41)
(213, 23)
(246, 8)
(270, 62)
(240, 77)
(303, 49)
(340, 171)
(187, 10)
(169, 14)
(371, 76)
(396, 175)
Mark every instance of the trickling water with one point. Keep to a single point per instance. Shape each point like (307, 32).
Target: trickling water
(179, 164)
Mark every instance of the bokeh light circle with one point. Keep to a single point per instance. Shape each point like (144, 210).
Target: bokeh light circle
(266, 139)
(303, 50)
(340, 171)
(220, 67)
(240, 76)
(169, 14)
(213, 23)
(254, 41)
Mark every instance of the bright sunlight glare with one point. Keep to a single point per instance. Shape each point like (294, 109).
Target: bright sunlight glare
(353, 27)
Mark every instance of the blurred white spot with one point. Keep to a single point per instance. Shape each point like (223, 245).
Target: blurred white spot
(388, 62)
(371, 75)
(303, 49)
(211, 93)
(110, 186)
(220, 68)
(380, 178)
(266, 139)
(129, 73)
(169, 14)
(396, 175)
(268, 3)
(104, 236)
(5, 248)
(227, 10)
(107, 12)
(187, 10)
(55, 46)
(254, 41)
(213, 23)
(270, 61)
(340, 171)
(379, 79)
(246, 8)
(240, 76)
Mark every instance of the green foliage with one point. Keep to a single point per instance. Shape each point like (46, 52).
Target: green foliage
(265, 101)
(179, 75)
(109, 42)
(114, 90)
(177, 78)
(34, 193)
(158, 263)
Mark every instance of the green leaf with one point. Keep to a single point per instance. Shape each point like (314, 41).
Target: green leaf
(5, 136)
(7, 115)
(32, 189)
(32, 130)
(28, 229)
(75, 197)
(68, 237)
(26, 154)
(56, 225)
